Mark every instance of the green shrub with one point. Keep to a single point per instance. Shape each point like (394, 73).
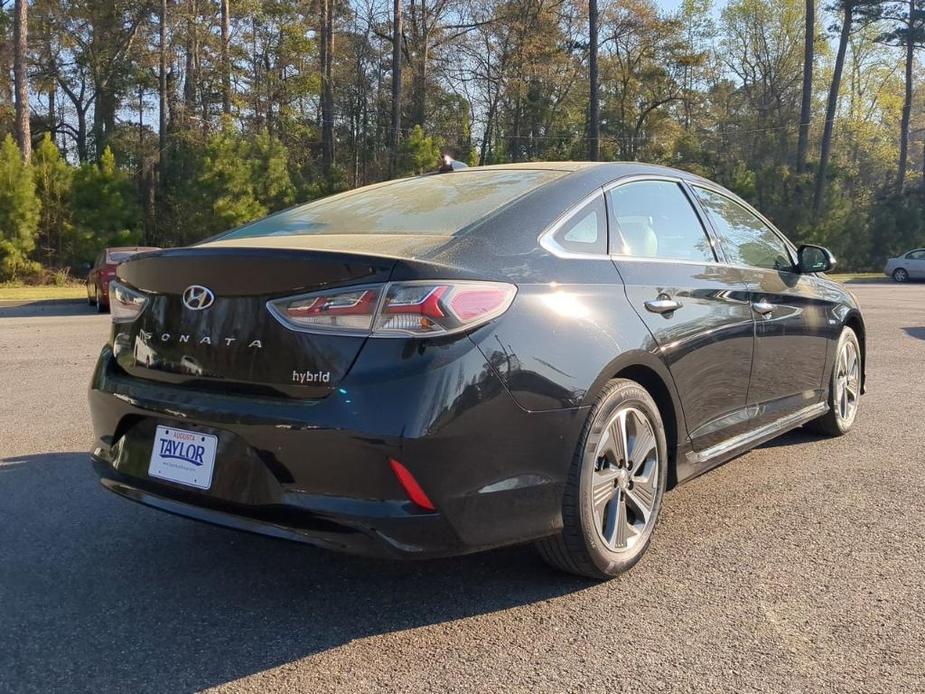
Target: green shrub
(19, 214)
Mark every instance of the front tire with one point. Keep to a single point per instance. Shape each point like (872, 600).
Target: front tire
(900, 274)
(844, 388)
(614, 491)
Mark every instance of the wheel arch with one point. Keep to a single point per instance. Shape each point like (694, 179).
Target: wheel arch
(854, 321)
(651, 373)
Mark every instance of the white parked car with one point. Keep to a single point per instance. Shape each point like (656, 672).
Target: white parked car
(907, 266)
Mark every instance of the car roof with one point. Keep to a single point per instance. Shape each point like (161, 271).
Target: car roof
(614, 169)
(536, 210)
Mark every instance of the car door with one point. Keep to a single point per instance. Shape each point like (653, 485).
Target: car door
(915, 263)
(696, 308)
(793, 323)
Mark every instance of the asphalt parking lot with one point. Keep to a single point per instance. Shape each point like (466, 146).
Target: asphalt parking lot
(798, 567)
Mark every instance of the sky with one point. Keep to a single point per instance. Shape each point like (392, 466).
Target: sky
(672, 5)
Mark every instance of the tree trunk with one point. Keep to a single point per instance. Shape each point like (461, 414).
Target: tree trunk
(327, 90)
(594, 110)
(226, 61)
(53, 111)
(806, 106)
(907, 100)
(419, 79)
(104, 118)
(395, 138)
(832, 105)
(487, 135)
(81, 138)
(190, 84)
(21, 78)
(162, 88)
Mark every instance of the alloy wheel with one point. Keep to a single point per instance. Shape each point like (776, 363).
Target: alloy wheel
(847, 381)
(900, 275)
(624, 483)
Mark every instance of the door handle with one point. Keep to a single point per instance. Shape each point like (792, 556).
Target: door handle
(763, 308)
(663, 304)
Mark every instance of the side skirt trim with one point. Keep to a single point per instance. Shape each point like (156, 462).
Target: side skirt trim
(753, 437)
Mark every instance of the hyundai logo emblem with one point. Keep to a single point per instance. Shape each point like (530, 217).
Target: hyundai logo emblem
(196, 297)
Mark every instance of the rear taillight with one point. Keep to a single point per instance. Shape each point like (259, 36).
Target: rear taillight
(339, 311)
(125, 304)
(398, 309)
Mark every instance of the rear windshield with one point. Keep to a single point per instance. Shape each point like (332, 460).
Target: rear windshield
(119, 256)
(440, 205)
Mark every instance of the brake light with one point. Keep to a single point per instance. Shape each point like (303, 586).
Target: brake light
(398, 309)
(125, 304)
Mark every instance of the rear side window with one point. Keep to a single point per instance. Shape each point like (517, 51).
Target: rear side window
(655, 219)
(438, 205)
(586, 230)
(746, 240)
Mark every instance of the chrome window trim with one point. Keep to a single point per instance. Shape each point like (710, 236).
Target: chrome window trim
(673, 261)
(547, 239)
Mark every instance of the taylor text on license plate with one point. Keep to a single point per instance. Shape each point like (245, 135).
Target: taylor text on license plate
(185, 457)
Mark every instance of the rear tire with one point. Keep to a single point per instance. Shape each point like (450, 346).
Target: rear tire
(900, 274)
(615, 486)
(99, 301)
(844, 388)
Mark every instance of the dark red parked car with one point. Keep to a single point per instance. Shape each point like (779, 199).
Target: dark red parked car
(104, 270)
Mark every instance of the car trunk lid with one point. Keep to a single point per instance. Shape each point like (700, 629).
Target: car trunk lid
(234, 343)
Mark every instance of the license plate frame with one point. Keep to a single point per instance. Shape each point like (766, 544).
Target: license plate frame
(183, 457)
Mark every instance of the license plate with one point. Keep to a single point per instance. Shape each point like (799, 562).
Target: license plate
(184, 457)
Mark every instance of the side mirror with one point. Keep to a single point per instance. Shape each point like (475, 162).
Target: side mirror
(812, 258)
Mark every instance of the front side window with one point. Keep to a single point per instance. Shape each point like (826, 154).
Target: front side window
(654, 219)
(586, 231)
(746, 239)
(916, 255)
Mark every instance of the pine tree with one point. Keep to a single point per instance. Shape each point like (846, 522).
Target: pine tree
(418, 153)
(53, 178)
(269, 161)
(227, 180)
(105, 207)
(19, 213)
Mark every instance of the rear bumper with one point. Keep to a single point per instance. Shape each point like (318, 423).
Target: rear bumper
(317, 471)
(331, 524)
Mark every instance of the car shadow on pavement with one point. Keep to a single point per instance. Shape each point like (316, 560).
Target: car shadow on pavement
(104, 594)
(795, 437)
(917, 332)
(33, 309)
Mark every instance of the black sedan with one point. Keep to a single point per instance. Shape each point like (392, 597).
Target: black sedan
(494, 355)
